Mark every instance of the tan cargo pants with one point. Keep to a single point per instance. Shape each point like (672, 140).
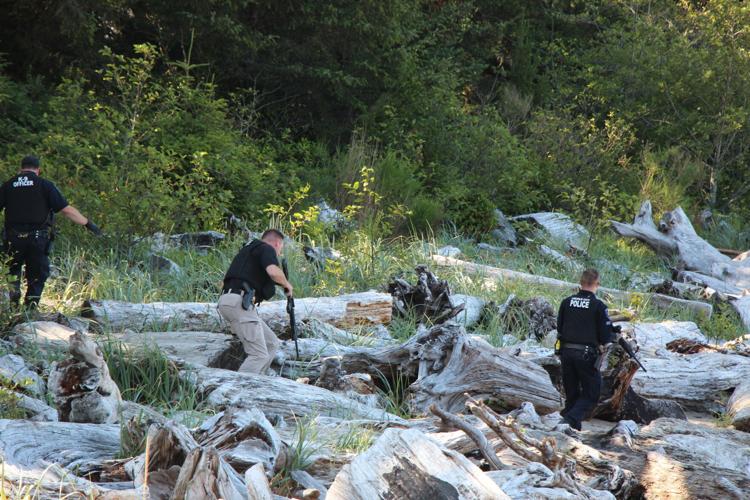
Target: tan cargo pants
(259, 341)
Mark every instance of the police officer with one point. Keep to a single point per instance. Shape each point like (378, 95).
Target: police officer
(582, 326)
(251, 279)
(30, 203)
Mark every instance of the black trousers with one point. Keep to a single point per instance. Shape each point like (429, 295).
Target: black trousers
(582, 383)
(29, 250)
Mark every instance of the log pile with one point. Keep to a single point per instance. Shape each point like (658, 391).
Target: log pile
(429, 300)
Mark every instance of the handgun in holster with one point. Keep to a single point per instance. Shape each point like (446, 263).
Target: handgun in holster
(247, 298)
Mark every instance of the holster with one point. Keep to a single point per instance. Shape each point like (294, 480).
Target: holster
(247, 298)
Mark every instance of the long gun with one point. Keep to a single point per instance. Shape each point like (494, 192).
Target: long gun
(629, 349)
(290, 310)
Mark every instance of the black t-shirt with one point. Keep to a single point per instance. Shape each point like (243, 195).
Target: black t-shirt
(583, 319)
(249, 265)
(29, 201)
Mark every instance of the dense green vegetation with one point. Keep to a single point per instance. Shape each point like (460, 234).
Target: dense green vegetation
(158, 115)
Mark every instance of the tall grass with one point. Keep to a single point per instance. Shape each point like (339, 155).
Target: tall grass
(146, 376)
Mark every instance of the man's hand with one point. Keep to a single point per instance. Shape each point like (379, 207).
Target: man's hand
(288, 289)
(93, 228)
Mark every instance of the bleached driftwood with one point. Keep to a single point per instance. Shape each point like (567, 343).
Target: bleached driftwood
(82, 387)
(559, 227)
(366, 308)
(493, 274)
(35, 409)
(257, 484)
(216, 350)
(444, 363)
(410, 463)
(452, 364)
(679, 459)
(243, 438)
(46, 454)
(696, 381)
(277, 396)
(44, 335)
(738, 407)
(317, 329)
(204, 475)
(13, 368)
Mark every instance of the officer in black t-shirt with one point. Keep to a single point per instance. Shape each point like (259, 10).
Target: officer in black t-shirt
(30, 203)
(582, 325)
(253, 275)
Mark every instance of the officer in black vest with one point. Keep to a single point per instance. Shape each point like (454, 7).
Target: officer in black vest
(30, 203)
(252, 278)
(582, 325)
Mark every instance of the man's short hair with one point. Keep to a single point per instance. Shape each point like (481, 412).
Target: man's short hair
(273, 234)
(589, 277)
(30, 162)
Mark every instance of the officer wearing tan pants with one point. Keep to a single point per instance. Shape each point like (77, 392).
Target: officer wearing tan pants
(252, 278)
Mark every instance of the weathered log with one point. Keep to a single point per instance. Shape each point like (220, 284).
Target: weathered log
(493, 274)
(366, 308)
(444, 362)
(410, 465)
(696, 381)
(257, 484)
(738, 407)
(204, 476)
(559, 227)
(244, 438)
(470, 365)
(56, 456)
(679, 459)
(35, 409)
(82, 387)
(317, 329)
(45, 335)
(14, 370)
(277, 396)
(742, 306)
(215, 350)
(534, 317)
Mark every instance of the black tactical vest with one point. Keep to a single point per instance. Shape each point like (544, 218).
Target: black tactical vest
(26, 206)
(246, 267)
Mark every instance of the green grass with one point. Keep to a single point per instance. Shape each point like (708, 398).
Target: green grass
(148, 377)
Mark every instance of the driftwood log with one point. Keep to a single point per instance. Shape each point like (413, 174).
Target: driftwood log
(46, 455)
(492, 274)
(277, 396)
(698, 261)
(738, 407)
(216, 350)
(82, 387)
(442, 364)
(366, 308)
(559, 227)
(243, 438)
(408, 464)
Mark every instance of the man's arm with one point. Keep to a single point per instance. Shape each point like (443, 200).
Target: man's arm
(73, 214)
(277, 275)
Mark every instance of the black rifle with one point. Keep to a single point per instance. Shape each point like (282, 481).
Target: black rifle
(290, 310)
(628, 349)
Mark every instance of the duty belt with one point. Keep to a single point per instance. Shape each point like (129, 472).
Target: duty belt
(578, 347)
(26, 234)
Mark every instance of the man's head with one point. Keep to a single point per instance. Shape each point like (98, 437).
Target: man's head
(275, 238)
(590, 280)
(30, 163)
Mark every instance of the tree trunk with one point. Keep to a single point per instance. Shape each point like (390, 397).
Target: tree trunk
(367, 308)
(204, 476)
(215, 350)
(410, 465)
(494, 273)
